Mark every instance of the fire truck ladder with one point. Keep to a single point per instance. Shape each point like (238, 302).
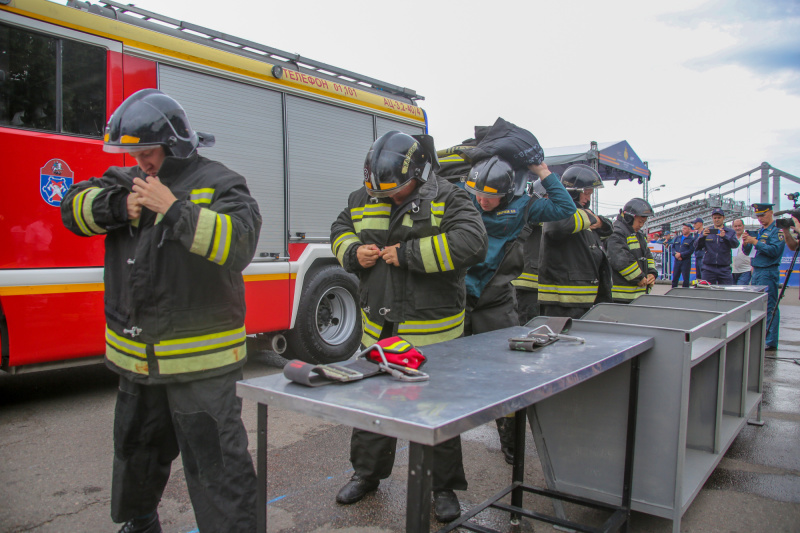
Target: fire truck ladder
(223, 41)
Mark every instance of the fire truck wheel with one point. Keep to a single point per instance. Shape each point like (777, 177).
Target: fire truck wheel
(328, 326)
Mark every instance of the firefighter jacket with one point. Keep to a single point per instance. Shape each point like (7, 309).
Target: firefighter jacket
(573, 268)
(440, 234)
(718, 249)
(504, 261)
(174, 293)
(529, 279)
(631, 262)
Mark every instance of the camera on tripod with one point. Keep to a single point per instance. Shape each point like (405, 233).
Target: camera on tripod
(786, 223)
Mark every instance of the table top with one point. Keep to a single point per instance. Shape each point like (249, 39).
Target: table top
(473, 380)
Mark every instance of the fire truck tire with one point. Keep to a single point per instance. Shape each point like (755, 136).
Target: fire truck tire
(327, 328)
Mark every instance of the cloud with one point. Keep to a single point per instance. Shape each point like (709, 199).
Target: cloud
(766, 37)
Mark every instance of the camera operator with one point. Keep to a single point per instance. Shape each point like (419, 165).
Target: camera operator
(718, 241)
(786, 226)
(769, 244)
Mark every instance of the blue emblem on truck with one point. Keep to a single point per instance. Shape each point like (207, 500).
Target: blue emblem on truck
(55, 178)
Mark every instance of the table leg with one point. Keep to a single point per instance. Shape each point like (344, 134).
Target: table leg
(261, 470)
(518, 469)
(627, 481)
(418, 506)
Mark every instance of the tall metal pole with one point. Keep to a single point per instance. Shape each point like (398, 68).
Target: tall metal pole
(595, 165)
(776, 190)
(765, 183)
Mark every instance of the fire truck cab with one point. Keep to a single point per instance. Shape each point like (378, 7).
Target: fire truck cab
(298, 130)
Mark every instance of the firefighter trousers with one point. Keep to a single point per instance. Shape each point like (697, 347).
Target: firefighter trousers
(372, 456)
(200, 419)
(495, 309)
(527, 305)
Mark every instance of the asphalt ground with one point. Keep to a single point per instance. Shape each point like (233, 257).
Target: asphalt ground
(56, 444)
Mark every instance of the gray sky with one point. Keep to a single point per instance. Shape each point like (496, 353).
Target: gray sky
(702, 90)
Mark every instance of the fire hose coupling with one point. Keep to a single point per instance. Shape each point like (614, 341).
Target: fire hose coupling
(542, 336)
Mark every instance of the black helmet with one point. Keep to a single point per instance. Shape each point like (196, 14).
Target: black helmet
(579, 177)
(492, 177)
(396, 158)
(150, 118)
(636, 207)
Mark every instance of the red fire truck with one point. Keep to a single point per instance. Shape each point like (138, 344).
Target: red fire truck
(297, 129)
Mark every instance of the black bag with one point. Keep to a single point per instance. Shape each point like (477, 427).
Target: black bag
(516, 145)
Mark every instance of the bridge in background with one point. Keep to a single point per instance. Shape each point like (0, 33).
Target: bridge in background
(700, 203)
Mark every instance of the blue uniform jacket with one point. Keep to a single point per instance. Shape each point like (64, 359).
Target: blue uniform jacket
(718, 249)
(769, 249)
(686, 249)
(504, 224)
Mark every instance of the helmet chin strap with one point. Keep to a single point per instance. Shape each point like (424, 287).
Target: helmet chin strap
(425, 173)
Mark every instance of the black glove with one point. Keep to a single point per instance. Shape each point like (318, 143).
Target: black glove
(515, 145)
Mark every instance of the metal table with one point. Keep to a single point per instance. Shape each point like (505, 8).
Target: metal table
(473, 380)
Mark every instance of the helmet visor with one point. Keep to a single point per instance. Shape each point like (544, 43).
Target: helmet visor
(486, 192)
(382, 178)
(128, 148)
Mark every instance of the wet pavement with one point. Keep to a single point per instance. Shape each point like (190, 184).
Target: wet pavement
(56, 447)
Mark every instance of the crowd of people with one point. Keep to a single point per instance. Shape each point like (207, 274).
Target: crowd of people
(437, 258)
(731, 256)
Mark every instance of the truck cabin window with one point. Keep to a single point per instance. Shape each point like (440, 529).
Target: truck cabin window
(51, 84)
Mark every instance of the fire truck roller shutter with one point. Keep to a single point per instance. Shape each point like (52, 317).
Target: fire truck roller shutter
(385, 125)
(327, 145)
(247, 122)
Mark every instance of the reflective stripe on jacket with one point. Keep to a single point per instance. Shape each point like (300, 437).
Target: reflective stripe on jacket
(631, 261)
(529, 279)
(174, 293)
(440, 234)
(573, 269)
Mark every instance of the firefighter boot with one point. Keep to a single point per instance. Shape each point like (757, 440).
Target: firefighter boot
(355, 489)
(143, 524)
(505, 428)
(445, 505)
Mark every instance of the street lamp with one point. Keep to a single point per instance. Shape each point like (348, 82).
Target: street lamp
(650, 190)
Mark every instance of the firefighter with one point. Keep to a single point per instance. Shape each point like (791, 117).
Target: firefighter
(573, 269)
(409, 236)
(633, 269)
(526, 286)
(490, 294)
(179, 229)
(718, 242)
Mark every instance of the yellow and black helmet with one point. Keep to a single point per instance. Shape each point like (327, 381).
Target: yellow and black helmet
(150, 118)
(396, 158)
(491, 177)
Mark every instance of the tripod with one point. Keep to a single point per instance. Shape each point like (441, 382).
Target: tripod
(783, 288)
